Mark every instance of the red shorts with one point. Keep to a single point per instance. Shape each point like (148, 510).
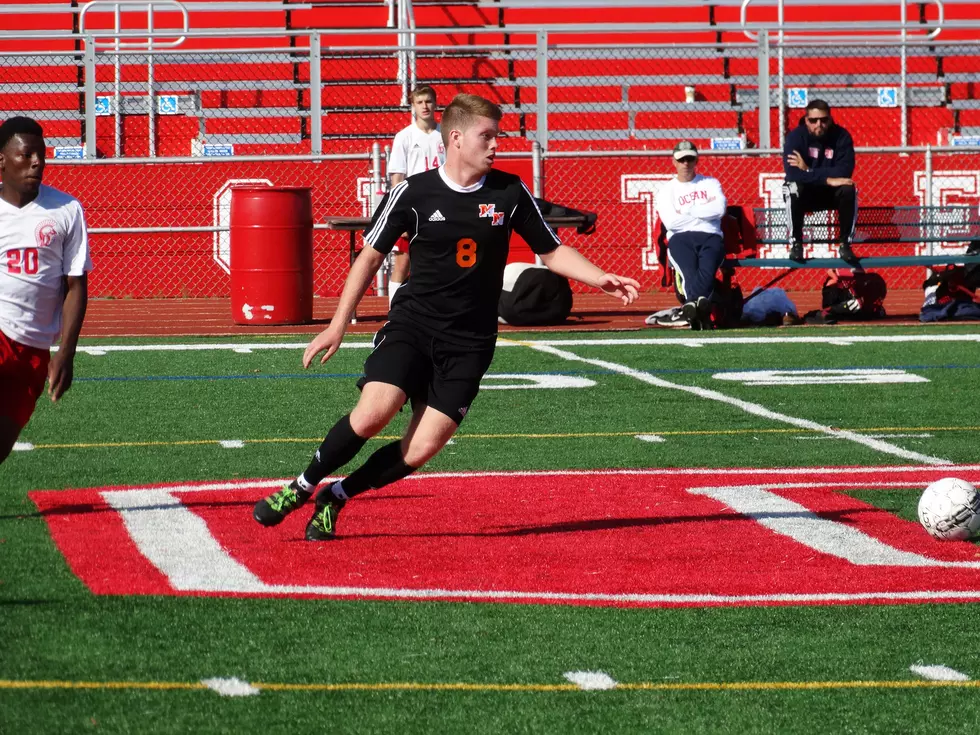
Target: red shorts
(23, 371)
(401, 246)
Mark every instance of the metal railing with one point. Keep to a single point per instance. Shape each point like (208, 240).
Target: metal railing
(153, 235)
(539, 54)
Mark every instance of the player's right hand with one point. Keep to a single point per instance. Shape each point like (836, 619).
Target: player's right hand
(329, 340)
(839, 181)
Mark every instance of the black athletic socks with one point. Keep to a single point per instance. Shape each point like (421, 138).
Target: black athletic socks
(339, 447)
(385, 466)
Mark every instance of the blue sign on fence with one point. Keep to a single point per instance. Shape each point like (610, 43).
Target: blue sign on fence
(887, 97)
(218, 149)
(103, 106)
(798, 97)
(726, 144)
(167, 104)
(69, 151)
(972, 140)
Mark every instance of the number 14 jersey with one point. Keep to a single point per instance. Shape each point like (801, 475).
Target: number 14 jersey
(458, 243)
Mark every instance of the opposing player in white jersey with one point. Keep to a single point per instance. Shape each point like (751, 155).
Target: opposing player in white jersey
(691, 207)
(416, 148)
(44, 259)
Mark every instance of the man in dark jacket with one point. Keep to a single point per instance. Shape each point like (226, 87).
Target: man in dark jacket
(818, 158)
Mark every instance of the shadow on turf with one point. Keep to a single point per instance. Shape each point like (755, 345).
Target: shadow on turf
(611, 524)
(87, 508)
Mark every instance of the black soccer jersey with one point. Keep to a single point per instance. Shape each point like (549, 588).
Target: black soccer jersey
(459, 240)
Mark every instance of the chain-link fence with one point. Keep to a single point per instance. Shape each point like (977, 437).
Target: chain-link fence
(187, 205)
(622, 188)
(318, 91)
(312, 92)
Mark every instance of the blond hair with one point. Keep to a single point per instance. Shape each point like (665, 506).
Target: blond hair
(463, 110)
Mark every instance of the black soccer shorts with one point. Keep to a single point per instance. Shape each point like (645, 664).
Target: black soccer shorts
(437, 373)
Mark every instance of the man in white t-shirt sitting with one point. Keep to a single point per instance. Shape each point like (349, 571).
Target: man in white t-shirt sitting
(691, 207)
(416, 148)
(44, 259)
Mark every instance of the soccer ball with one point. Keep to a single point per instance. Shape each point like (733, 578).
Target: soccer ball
(949, 509)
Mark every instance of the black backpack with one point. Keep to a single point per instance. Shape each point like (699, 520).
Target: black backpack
(534, 296)
(858, 296)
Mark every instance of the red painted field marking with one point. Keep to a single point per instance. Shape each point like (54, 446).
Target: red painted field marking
(649, 537)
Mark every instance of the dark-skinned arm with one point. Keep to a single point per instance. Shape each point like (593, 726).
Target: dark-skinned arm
(61, 367)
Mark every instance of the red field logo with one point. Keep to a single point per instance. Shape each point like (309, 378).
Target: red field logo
(606, 537)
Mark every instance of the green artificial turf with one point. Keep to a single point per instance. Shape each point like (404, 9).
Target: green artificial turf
(164, 411)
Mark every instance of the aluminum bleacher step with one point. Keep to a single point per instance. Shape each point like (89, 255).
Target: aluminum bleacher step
(883, 261)
(852, 96)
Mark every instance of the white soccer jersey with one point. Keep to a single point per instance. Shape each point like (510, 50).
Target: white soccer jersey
(693, 206)
(414, 151)
(40, 243)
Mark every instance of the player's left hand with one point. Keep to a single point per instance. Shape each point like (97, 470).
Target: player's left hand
(795, 160)
(620, 286)
(60, 372)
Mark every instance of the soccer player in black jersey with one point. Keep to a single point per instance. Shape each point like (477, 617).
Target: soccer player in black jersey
(442, 327)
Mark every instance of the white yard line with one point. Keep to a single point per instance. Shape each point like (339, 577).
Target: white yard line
(178, 542)
(874, 436)
(938, 673)
(768, 473)
(799, 523)
(753, 408)
(504, 341)
(232, 687)
(591, 681)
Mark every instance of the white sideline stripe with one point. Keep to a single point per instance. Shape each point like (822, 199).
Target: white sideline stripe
(23, 446)
(938, 673)
(768, 473)
(503, 341)
(178, 543)
(801, 524)
(652, 438)
(591, 681)
(752, 408)
(874, 436)
(232, 687)
(232, 443)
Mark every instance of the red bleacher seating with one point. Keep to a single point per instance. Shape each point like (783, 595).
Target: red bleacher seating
(363, 88)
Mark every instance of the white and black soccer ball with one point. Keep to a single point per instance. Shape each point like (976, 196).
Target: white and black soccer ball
(949, 509)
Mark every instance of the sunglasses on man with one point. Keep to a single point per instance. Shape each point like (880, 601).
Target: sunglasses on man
(819, 120)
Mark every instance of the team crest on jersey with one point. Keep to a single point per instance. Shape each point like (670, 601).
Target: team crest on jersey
(489, 210)
(45, 233)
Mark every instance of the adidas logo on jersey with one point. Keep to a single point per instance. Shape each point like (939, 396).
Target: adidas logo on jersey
(437, 217)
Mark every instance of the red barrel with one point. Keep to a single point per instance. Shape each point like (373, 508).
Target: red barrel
(271, 255)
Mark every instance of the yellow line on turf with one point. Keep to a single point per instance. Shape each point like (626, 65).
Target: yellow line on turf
(693, 686)
(162, 685)
(567, 435)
